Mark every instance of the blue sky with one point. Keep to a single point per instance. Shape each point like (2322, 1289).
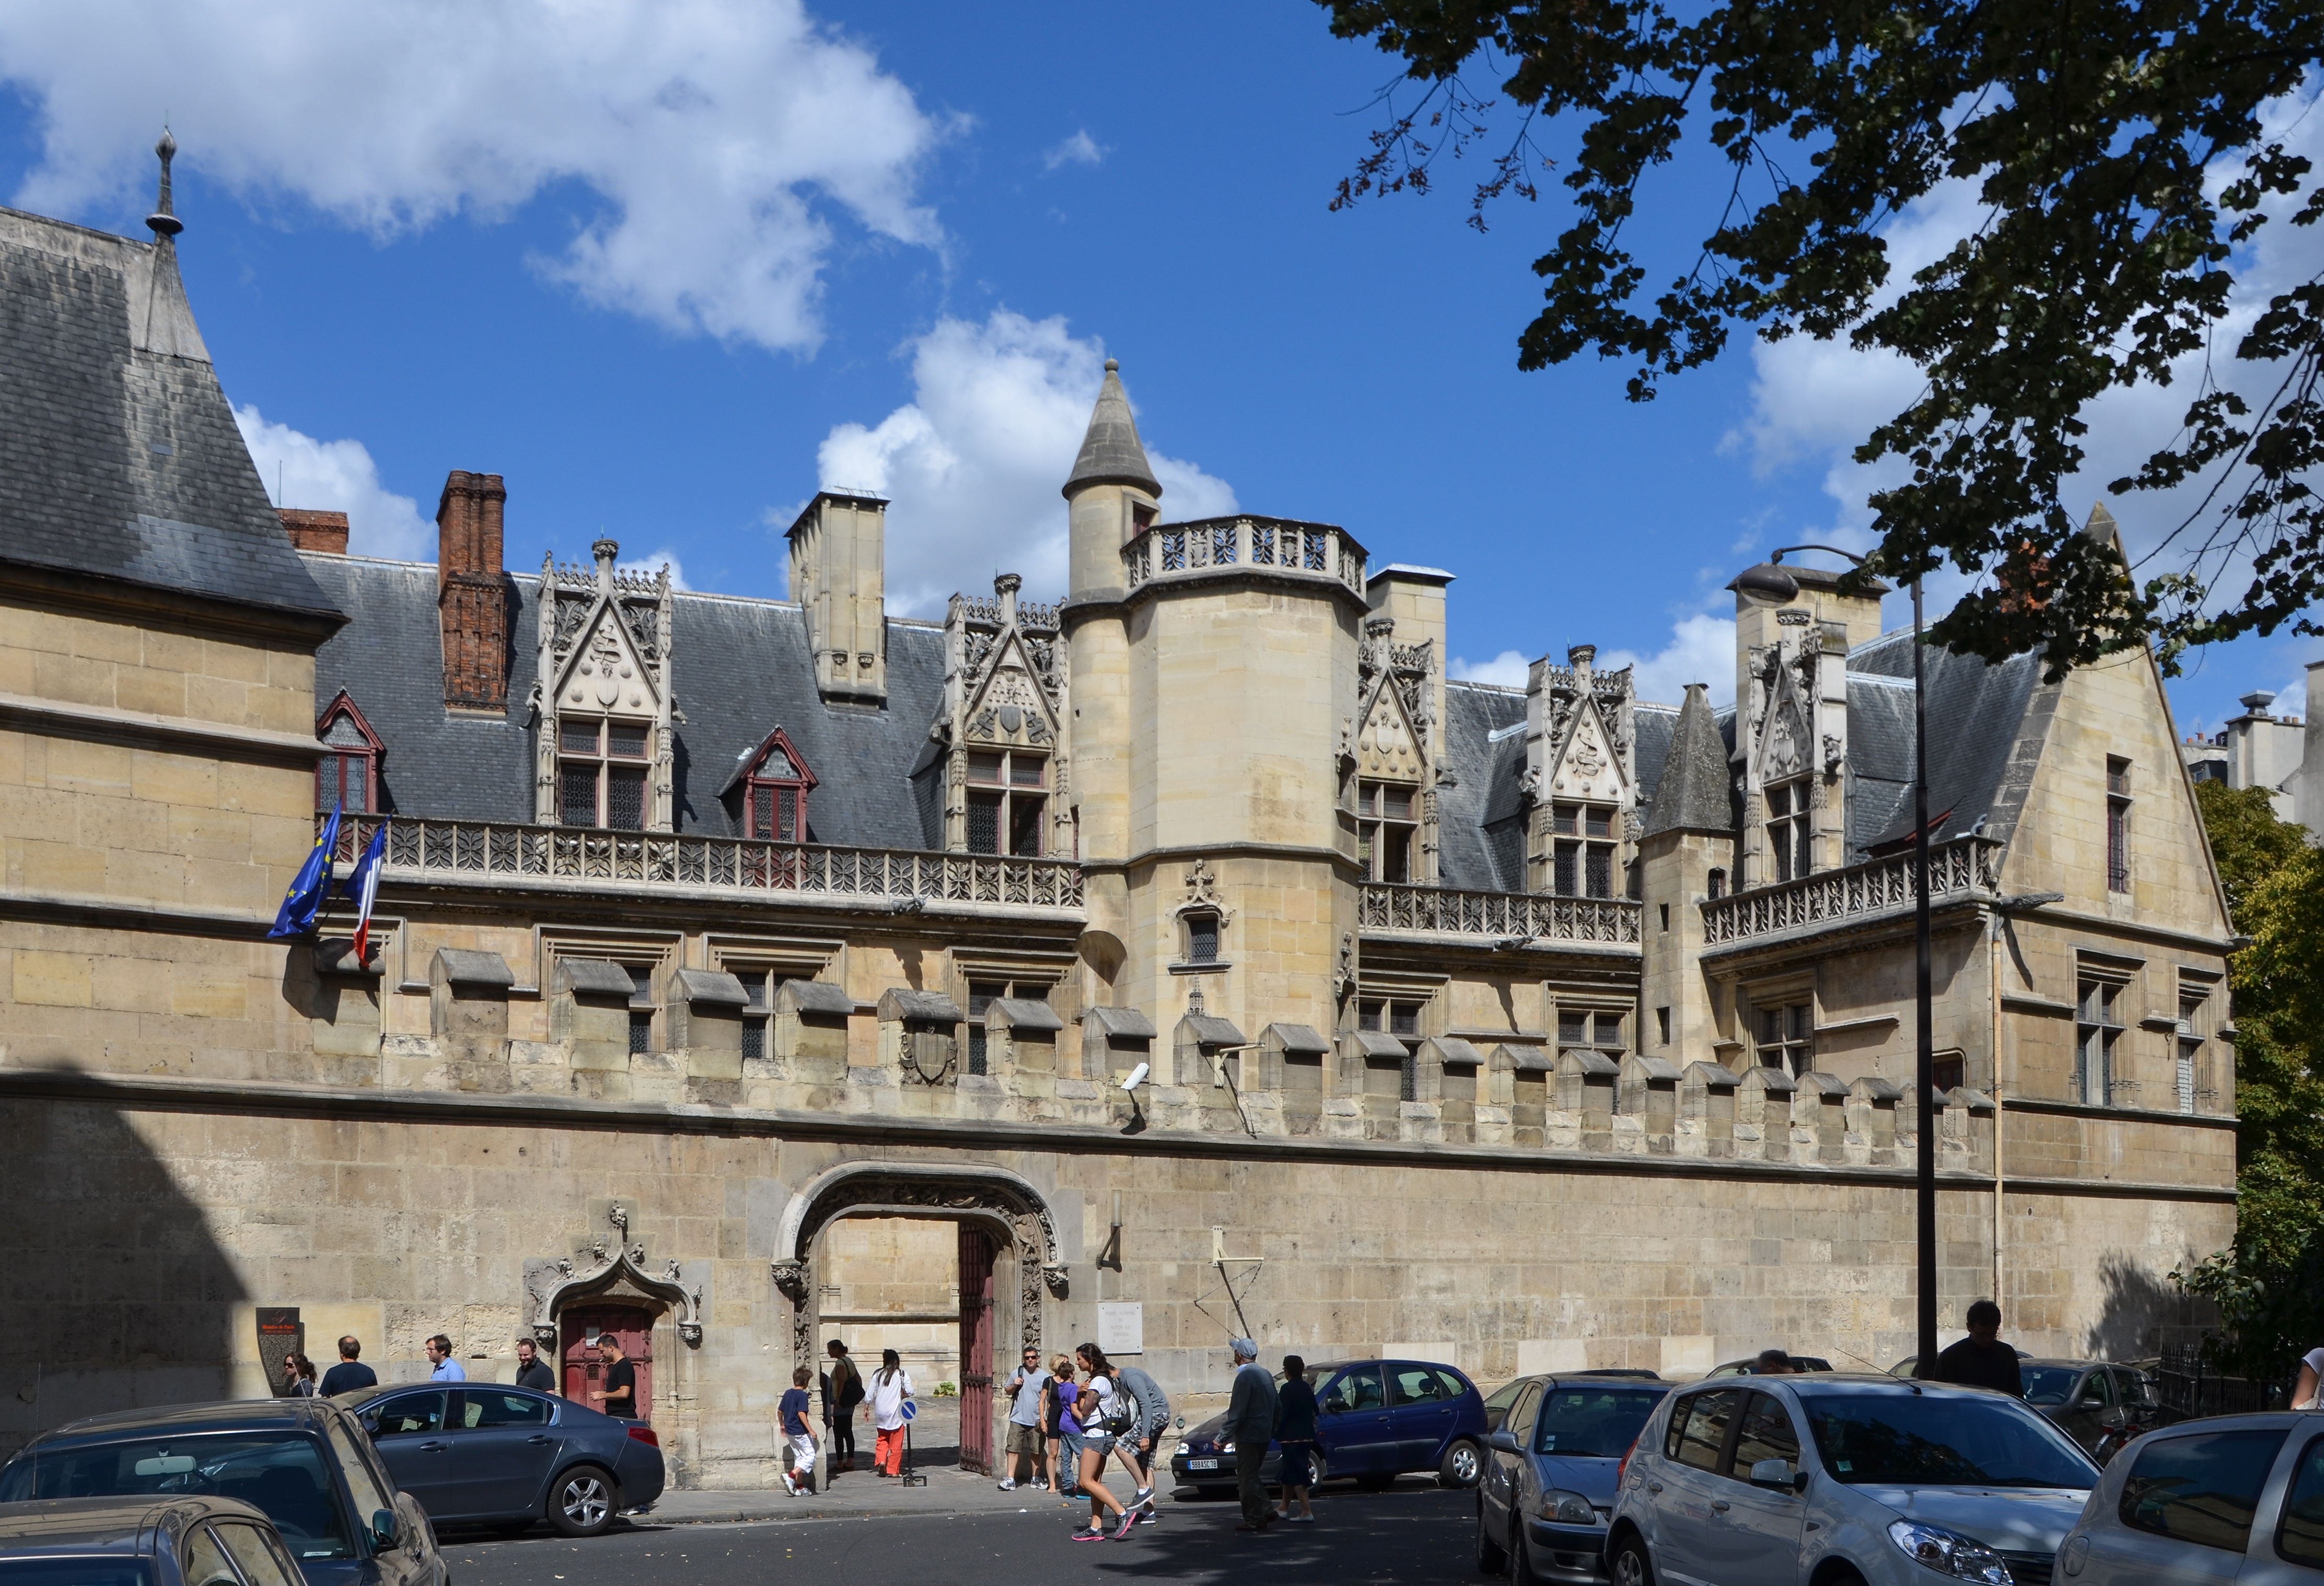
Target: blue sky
(668, 268)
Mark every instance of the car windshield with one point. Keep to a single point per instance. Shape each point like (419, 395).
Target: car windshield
(74, 1571)
(1592, 1423)
(280, 1473)
(1942, 1440)
(2048, 1385)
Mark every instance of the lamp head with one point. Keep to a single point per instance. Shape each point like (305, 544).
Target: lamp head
(1137, 1076)
(1768, 581)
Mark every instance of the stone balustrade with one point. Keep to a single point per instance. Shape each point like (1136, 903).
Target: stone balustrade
(1515, 918)
(1281, 546)
(437, 852)
(1960, 869)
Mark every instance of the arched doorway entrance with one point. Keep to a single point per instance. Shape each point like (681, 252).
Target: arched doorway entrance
(583, 1331)
(1008, 1263)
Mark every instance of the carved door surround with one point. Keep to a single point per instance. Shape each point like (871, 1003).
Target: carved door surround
(1004, 1205)
(614, 1267)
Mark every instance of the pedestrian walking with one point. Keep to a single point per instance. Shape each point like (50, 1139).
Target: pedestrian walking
(847, 1396)
(891, 1390)
(1981, 1359)
(799, 1479)
(1064, 1447)
(531, 1370)
(439, 1357)
(298, 1375)
(1295, 1429)
(1102, 1411)
(1250, 1427)
(1027, 1451)
(1136, 1447)
(350, 1373)
(619, 1396)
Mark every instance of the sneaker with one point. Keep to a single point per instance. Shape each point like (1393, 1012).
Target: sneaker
(1010, 1485)
(1095, 1533)
(1128, 1519)
(1303, 1519)
(1147, 1516)
(1040, 1484)
(790, 1485)
(1145, 1499)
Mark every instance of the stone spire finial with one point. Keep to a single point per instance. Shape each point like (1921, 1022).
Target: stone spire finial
(164, 221)
(1111, 453)
(1004, 589)
(606, 552)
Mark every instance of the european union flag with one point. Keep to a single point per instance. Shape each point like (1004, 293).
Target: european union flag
(311, 886)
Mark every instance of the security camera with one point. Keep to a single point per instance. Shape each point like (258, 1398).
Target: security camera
(1137, 1076)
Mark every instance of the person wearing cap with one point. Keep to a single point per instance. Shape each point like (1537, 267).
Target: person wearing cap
(1250, 1427)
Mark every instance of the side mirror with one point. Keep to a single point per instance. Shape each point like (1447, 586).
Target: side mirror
(384, 1537)
(1778, 1475)
(1504, 1441)
(371, 1425)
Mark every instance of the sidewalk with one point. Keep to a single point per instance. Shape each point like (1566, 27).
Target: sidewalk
(859, 1493)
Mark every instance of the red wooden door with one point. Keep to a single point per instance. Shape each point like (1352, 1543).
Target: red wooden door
(975, 1350)
(584, 1363)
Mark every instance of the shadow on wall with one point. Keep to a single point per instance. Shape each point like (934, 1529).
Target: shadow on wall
(2142, 1313)
(118, 1295)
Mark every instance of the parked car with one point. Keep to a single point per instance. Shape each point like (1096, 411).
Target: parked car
(2098, 1405)
(1377, 1419)
(302, 1462)
(141, 1542)
(1828, 1477)
(489, 1453)
(1751, 1368)
(2231, 1497)
(1548, 1482)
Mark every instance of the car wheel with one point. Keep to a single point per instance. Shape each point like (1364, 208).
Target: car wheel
(581, 1503)
(1493, 1558)
(1629, 1566)
(1461, 1464)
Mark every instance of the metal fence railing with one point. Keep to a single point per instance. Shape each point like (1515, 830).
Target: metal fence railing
(2189, 1387)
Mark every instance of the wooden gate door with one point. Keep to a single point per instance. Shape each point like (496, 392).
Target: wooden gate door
(975, 1350)
(579, 1328)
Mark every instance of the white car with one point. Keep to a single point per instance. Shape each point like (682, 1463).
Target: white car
(1844, 1481)
(2234, 1498)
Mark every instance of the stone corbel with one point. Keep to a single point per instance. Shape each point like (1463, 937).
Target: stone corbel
(791, 1277)
(1053, 1273)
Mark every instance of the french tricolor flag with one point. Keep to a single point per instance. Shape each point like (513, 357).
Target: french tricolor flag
(362, 886)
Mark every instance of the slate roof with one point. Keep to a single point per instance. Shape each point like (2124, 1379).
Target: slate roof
(741, 670)
(1480, 828)
(1111, 453)
(1976, 711)
(119, 457)
(1694, 792)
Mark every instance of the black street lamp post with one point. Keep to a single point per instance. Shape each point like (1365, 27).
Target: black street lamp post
(1769, 579)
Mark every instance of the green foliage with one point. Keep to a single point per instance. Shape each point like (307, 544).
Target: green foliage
(2270, 1286)
(2121, 168)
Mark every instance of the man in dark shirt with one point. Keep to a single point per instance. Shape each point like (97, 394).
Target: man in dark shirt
(619, 1396)
(350, 1373)
(531, 1370)
(1981, 1359)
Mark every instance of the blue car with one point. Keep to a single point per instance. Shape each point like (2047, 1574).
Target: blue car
(1376, 1420)
(1550, 1469)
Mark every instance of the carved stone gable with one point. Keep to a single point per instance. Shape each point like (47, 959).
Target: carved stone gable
(1388, 746)
(607, 673)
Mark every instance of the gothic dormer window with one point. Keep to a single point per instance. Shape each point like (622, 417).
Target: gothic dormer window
(1583, 858)
(1008, 794)
(775, 786)
(348, 777)
(601, 772)
(1388, 827)
(1791, 828)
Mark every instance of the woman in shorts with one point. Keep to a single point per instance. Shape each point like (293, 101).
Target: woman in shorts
(1087, 1418)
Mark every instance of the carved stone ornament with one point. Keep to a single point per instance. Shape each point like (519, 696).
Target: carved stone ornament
(559, 1282)
(1833, 758)
(1343, 982)
(1203, 891)
(1793, 617)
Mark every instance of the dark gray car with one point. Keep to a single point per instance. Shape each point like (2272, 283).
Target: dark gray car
(302, 1462)
(141, 1542)
(491, 1454)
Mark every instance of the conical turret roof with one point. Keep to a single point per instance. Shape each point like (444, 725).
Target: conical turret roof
(1693, 795)
(1111, 451)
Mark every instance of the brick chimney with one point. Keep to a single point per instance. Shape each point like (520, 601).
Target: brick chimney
(310, 531)
(472, 591)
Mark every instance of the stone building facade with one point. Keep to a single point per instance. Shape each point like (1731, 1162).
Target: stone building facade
(718, 937)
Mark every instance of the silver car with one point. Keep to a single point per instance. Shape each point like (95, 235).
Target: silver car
(1843, 1481)
(2234, 1498)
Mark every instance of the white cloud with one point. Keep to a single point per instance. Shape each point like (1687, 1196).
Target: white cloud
(1506, 670)
(652, 564)
(1814, 401)
(1080, 149)
(1701, 649)
(336, 477)
(719, 139)
(972, 463)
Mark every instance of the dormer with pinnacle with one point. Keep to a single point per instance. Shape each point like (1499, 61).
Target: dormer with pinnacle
(603, 710)
(1001, 725)
(1581, 778)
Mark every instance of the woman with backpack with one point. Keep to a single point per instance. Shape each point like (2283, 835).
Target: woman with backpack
(1103, 1411)
(846, 1393)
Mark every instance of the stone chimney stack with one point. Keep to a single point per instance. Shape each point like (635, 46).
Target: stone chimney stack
(311, 531)
(839, 578)
(472, 591)
(1004, 592)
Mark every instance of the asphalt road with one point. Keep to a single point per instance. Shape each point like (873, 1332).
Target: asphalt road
(1414, 1536)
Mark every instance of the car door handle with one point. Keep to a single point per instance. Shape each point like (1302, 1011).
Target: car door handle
(1719, 1504)
(434, 1447)
(539, 1438)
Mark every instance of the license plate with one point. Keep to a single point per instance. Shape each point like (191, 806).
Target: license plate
(1202, 1464)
